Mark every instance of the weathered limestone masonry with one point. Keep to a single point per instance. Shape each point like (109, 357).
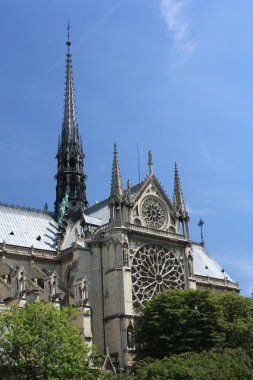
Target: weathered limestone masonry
(107, 259)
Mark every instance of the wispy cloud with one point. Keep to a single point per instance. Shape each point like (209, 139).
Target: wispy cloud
(203, 211)
(210, 158)
(245, 266)
(102, 21)
(241, 267)
(228, 200)
(174, 14)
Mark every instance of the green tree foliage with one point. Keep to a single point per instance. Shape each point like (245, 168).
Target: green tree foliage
(236, 323)
(230, 364)
(111, 376)
(177, 321)
(38, 342)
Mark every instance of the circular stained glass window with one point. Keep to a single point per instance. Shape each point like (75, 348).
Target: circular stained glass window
(155, 268)
(154, 212)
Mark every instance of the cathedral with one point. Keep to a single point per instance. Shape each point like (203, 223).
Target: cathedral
(107, 259)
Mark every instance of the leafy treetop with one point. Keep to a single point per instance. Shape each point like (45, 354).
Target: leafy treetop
(38, 342)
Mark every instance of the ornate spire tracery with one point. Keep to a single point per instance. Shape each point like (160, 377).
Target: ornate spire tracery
(116, 185)
(70, 132)
(179, 205)
(178, 198)
(70, 176)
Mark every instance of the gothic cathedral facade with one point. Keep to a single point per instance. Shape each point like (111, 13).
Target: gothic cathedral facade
(110, 258)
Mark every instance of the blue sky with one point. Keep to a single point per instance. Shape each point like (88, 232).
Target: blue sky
(171, 76)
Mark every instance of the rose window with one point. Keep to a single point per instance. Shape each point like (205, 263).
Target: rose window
(153, 212)
(155, 268)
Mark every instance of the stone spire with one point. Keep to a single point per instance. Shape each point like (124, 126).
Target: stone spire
(69, 125)
(150, 163)
(179, 206)
(70, 176)
(116, 185)
(178, 198)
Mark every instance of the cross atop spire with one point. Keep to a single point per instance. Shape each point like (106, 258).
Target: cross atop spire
(116, 185)
(68, 29)
(200, 224)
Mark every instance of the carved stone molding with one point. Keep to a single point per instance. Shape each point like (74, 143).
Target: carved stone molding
(155, 268)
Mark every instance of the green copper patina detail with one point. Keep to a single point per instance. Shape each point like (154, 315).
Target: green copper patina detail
(62, 209)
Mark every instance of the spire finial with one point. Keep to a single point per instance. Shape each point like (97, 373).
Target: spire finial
(70, 126)
(178, 193)
(200, 224)
(150, 163)
(116, 186)
(68, 29)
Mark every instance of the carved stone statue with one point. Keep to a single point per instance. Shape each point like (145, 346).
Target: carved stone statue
(130, 335)
(125, 256)
(190, 265)
(85, 289)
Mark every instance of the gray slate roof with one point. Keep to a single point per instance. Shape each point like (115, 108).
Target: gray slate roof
(92, 220)
(205, 265)
(25, 227)
(74, 230)
(22, 227)
(101, 210)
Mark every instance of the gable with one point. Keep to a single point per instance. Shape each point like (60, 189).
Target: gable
(152, 207)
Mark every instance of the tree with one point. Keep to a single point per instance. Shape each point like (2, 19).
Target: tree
(207, 365)
(236, 323)
(38, 342)
(177, 321)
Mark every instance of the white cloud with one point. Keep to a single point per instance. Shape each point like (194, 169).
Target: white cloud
(228, 200)
(243, 265)
(174, 14)
(202, 212)
(102, 20)
(211, 159)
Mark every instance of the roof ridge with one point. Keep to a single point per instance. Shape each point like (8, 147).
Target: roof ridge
(105, 201)
(197, 243)
(95, 206)
(26, 208)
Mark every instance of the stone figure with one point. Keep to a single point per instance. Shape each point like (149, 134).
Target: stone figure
(190, 265)
(125, 256)
(130, 335)
(85, 289)
(3, 245)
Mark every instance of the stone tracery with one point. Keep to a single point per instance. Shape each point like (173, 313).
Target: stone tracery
(154, 268)
(153, 212)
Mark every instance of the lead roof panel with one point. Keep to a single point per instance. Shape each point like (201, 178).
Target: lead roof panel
(205, 265)
(25, 227)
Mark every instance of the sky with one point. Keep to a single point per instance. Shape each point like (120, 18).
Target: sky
(172, 76)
